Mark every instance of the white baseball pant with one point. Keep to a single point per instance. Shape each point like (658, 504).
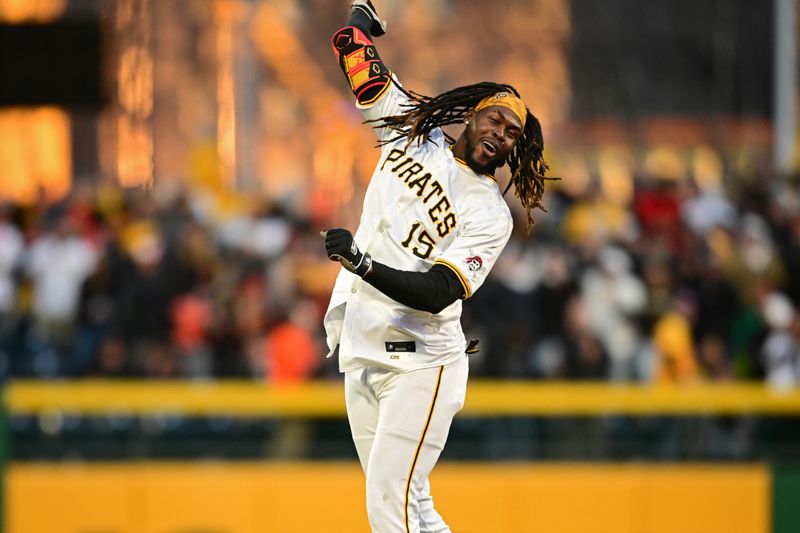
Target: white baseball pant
(399, 423)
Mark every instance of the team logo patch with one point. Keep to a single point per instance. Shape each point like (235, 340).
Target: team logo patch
(474, 263)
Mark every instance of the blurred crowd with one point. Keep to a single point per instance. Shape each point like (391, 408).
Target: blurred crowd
(690, 280)
(160, 283)
(686, 282)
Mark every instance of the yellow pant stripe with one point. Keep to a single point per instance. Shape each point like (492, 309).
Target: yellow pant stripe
(419, 445)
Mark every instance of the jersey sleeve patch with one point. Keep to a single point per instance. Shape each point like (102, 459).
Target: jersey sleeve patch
(479, 242)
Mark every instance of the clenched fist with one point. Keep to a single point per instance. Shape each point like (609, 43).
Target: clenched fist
(340, 246)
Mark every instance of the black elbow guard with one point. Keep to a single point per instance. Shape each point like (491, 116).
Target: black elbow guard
(359, 61)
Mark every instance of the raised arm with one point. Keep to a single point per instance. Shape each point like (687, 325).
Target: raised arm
(368, 77)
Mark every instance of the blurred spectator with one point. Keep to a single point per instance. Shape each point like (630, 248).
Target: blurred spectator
(58, 262)
(96, 310)
(250, 320)
(754, 266)
(718, 303)
(614, 298)
(552, 296)
(658, 208)
(788, 238)
(291, 353)
(593, 220)
(707, 208)
(142, 319)
(676, 359)
(586, 358)
(712, 358)
(11, 248)
(191, 316)
(781, 349)
(265, 234)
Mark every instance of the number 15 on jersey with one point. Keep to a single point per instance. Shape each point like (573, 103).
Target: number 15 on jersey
(419, 241)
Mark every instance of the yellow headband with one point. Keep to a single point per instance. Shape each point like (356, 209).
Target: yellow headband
(507, 100)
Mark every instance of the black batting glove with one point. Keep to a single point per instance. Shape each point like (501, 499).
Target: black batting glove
(340, 246)
(377, 26)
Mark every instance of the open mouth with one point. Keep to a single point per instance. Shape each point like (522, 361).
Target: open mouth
(491, 149)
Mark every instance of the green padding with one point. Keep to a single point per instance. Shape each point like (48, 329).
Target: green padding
(786, 499)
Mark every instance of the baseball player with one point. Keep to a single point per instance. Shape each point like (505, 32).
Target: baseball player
(434, 222)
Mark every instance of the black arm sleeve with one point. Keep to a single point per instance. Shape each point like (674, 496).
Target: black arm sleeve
(360, 20)
(430, 291)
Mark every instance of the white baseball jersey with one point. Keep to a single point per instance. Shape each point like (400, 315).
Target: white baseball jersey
(422, 207)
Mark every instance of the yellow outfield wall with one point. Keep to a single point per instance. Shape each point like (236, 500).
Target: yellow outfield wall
(261, 497)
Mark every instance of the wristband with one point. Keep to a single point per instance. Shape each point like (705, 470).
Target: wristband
(365, 266)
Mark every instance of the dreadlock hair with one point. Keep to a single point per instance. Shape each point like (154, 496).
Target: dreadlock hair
(426, 113)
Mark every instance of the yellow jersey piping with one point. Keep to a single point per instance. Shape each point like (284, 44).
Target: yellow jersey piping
(378, 96)
(458, 273)
(461, 161)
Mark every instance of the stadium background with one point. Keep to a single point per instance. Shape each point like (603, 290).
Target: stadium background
(165, 166)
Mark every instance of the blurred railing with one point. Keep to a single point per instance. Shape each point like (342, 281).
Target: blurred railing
(325, 399)
(501, 420)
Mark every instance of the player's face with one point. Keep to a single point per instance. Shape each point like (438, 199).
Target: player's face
(490, 136)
